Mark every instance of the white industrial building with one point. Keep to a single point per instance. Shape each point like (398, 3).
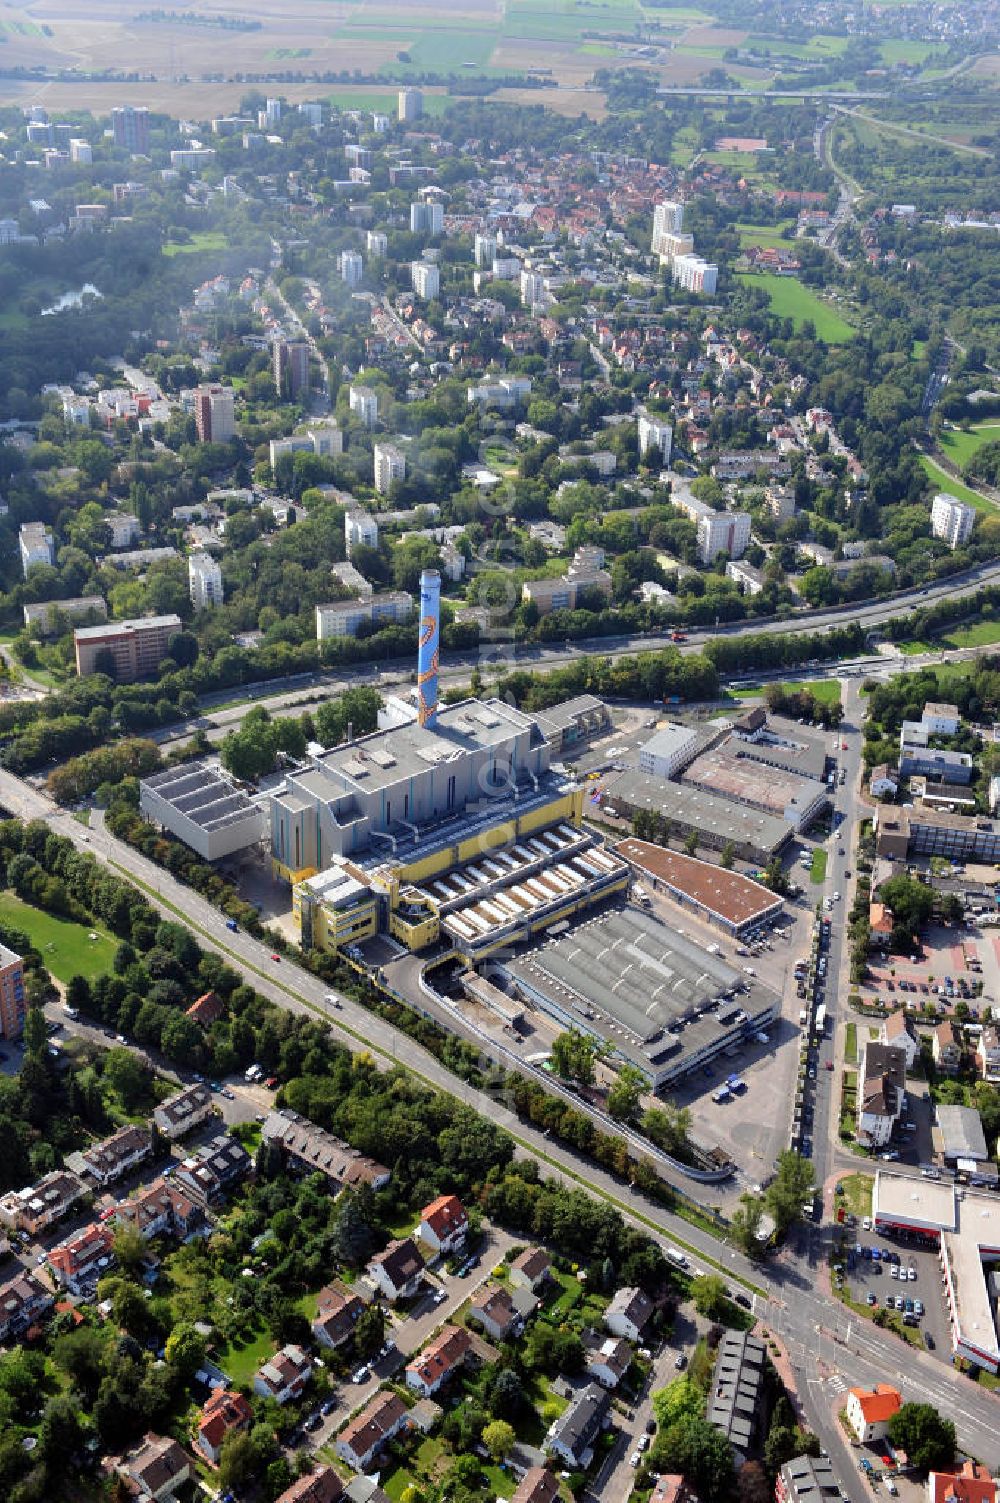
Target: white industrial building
(951, 519)
(666, 753)
(204, 581)
(199, 805)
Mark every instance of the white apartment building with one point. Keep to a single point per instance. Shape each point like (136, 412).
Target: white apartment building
(506, 268)
(123, 527)
(364, 401)
(426, 279)
(410, 105)
(76, 410)
(327, 440)
(668, 219)
(352, 268)
(360, 527)
(694, 274)
(507, 392)
(951, 519)
(426, 218)
(751, 579)
(725, 532)
(344, 618)
(81, 152)
(532, 288)
(204, 581)
(377, 243)
(390, 465)
(37, 545)
(484, 250)
(655, 433)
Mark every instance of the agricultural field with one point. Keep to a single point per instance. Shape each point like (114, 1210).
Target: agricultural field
(792, 299)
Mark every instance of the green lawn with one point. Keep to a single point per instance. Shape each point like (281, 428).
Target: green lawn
(857, 1196)
(398, 1480)
(817, 868)
(976, 634)
(851, 1043)
(241, 1362)
(64, 946)
(766, 235)
(201, 240)
(960, 445)
(792, 299)
(944, 482)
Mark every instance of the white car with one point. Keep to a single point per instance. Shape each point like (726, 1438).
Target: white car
(836, 897)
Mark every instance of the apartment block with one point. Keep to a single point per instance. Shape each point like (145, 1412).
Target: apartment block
(134, 648)
(37, 545)
(390, 466)
(214, 414)
(360, 529)
(725, 532)
(655, 433)
(291, 367)
(352, 268)
(12, 1003)
(204, 581)
(694, 274)
(426, 279)
(363, 401)
(951, 519)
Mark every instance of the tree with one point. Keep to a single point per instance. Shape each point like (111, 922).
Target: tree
(625, 1095)
(369, 1332)
(728, 856)
(130, 1249)
(185, 1349)
(709, 1294)
(701, 1453)
(668, 1127)
(239, 1461)
(61, 1434)
(925, 1435)
(499, 1438)
(691, 842)
(573, 1056)
(793, 1185)
(35, 1033)
(680, 1398)
(127, 1076)
(745, 1223)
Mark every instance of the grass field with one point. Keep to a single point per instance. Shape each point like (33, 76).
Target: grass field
(766, 235)
(960, 445)
(976, 634)
(64, 946)
(792, 299)
(817, 868)
(201, 240)
(944, 482)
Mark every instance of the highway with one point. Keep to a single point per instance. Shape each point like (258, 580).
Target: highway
(796, 1303)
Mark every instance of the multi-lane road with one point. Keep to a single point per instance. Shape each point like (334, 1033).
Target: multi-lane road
(794, 1298)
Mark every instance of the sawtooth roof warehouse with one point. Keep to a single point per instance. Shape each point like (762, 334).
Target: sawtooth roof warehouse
(966, 1228)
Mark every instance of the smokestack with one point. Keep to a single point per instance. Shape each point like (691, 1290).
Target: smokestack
(427, 647)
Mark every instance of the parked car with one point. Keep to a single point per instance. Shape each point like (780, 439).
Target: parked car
(680, 1361)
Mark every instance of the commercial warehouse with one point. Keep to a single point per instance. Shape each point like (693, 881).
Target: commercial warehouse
(203, 808)
(661, 1001)
(966, 1228)
(731, 902)
(754, 836)
(774, 790)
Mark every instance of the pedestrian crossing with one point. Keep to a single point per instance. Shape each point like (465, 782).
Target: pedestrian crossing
(838, 1384)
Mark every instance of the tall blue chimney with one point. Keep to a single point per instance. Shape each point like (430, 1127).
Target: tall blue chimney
(427, 648)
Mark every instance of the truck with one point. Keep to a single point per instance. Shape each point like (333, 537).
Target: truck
(676, 1257)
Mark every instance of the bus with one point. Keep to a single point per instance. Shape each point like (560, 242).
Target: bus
(820, 1023)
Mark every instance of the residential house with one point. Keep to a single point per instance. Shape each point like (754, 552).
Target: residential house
(377, 1423)
(182, 1111)
(310, 1148)
(23, 1300)
(572, 1436)
(971, 1484)
(283, 1376)
(336, 1316)
(157, 1469)
(439, 1361)
(988, 1053)
(870, 1410)
(83, 1258)
(609, 1362)
(443, 1225)
(898, 1032)
(538, 1485)
(882, 1095)
(397, 1271)
(320, 1486)
(208, 1009)
(161, 1210)
(737, 1402)
(492, 1308)
(40, 1205)
(226, 1412)
(948, 1047)
(213, 1170)
(628, 1314)
(880, 926)
(531, 1269)
(670, 1487)
(807, 1479)
(107, 1161)
(883, 783)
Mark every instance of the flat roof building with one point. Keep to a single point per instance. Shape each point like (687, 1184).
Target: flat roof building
(44, 615)
(961, 1131)
(202, 807)
(663, 1003)
(128, 649)
(754, 835)
(737, 1402)
(730, 772)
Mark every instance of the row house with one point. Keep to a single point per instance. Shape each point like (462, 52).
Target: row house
(105, 1162)
(531, 1269)
(319, 1486)
(183, 1111)
(284, 1376)
(23, 1300)
(160, 1210)
(492, 1308)
(83, 1258)
(215, 1169)
(310, 1148)
(438, 1363)
(628, 1314)
(40, 1205)
(371, 1429)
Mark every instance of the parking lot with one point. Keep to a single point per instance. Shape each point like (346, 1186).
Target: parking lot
(874, 1281)
(967, 957)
